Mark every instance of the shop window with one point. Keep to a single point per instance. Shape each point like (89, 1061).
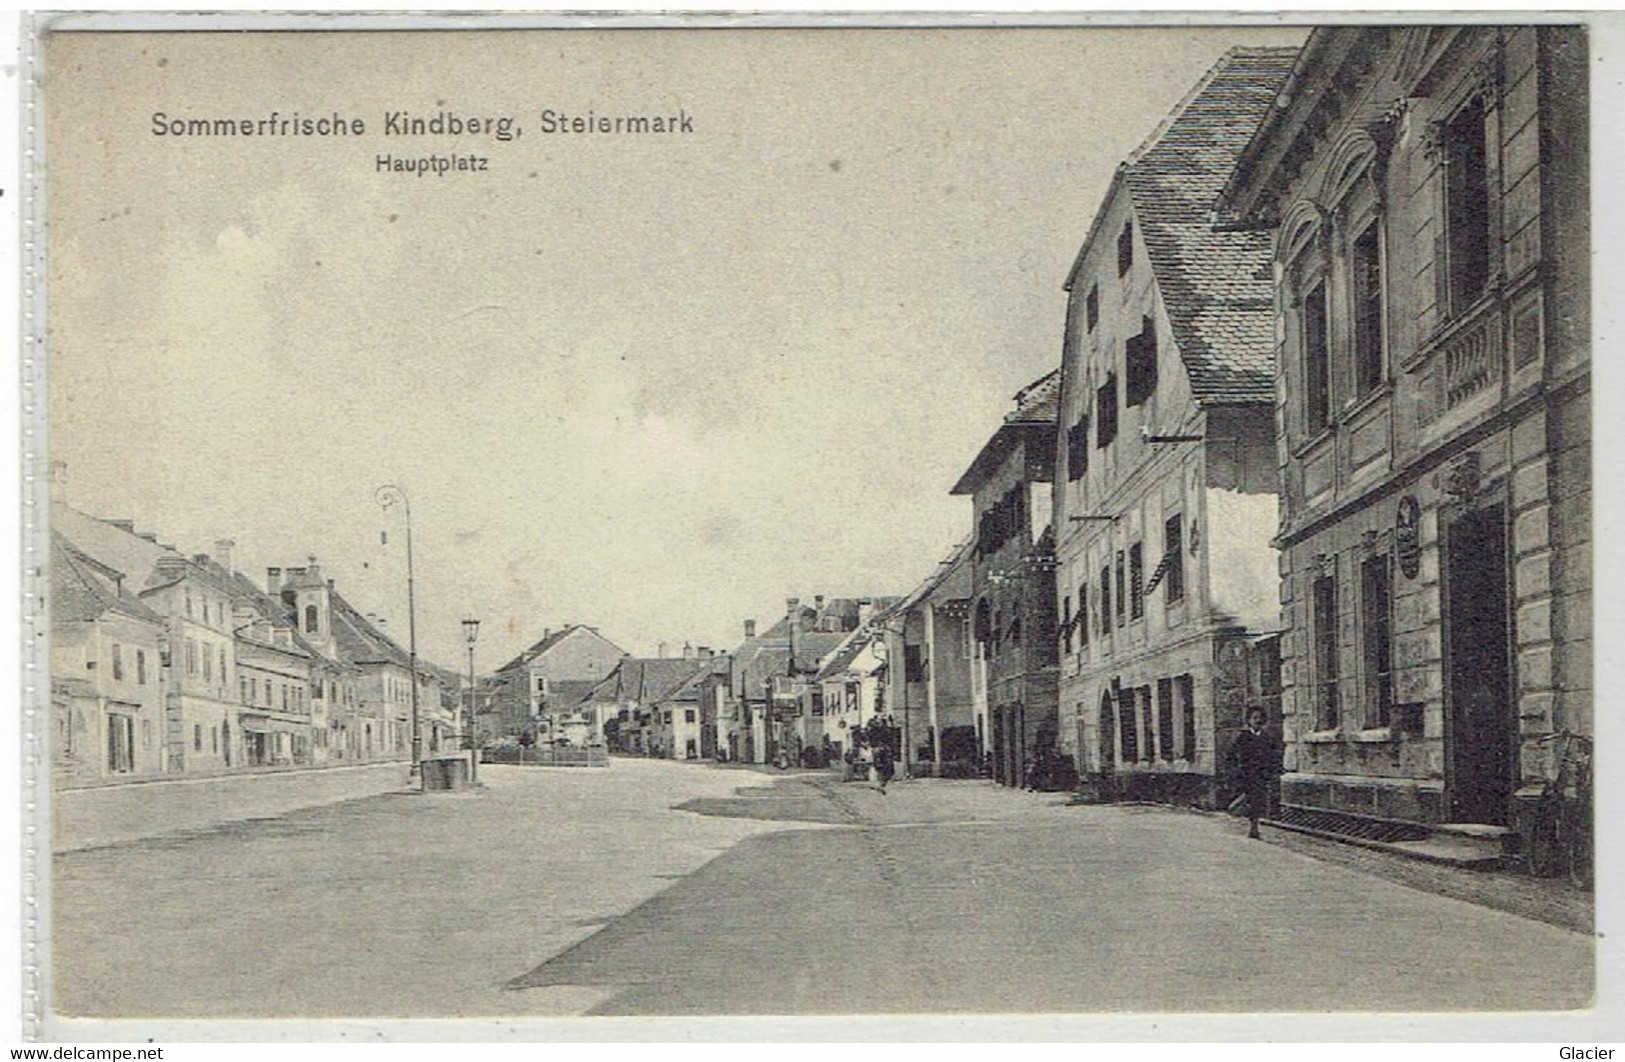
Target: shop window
(1376, 638)
(1325, 635)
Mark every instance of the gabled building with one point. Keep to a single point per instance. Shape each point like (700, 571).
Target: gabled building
(1165, 487)
(552, 678)
(380, 726)
(928, 670)
(107, 680)
(1012, 584)
(1427, 192)
(639, 697)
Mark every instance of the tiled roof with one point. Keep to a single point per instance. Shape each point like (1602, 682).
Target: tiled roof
(567, 693)
(1216, 286)
(548, 641)
(83, 589)
(359, 642)
(1039, 402)
(849, 651)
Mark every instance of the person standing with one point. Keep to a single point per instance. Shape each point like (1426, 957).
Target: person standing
(885, 765)
(1258, 764)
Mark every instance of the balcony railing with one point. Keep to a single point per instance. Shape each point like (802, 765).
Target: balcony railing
(1468, 355)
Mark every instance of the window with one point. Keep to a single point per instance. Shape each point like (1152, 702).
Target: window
(1165, 717)
(1122, 588)
(1173, 559)
(197, 737)
(1317, 366)
(1125, 248)
(1185, 687)
(1366, 266)
(688, 715)
(1140, 368)
(1083, 615)
(208, 664)
(118, 662)
(1066, 624)
(188, 604)
(284, 696)
(1325, 633)
(223, 677)
(214, 740)
(120, 743)
(246, 686)
(1136, 580)
(1377, 643)
(1015, 629)
(1467, 207)
(191, 656)
(268, 700)
(1128, 730)
(1077, 449)
(1106, 412)
(311, 625)
(1105, 600)
(1143, 695)
(1091, 306)
(141, 667)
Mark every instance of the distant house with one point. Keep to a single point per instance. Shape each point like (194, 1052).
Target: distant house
(639, 696)
(550, 680)
(928, 674)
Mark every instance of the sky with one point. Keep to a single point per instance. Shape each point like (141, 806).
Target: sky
(652, 384)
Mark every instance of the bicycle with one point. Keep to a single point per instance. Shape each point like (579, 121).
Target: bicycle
(1563, 837)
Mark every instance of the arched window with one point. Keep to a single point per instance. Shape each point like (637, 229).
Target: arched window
(311, 625)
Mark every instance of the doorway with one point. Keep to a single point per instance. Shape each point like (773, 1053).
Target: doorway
(1106, 733)
(1479, 709)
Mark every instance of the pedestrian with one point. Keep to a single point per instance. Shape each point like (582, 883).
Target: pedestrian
(885, 766)
(1257, 754)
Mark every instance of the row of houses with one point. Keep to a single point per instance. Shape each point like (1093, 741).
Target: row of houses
(1319, 441)
(164, 663)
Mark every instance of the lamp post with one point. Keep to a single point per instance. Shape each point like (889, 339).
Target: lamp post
(387, 497)
(471, 629)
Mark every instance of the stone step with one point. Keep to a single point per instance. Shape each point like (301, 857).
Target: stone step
(1455, 849)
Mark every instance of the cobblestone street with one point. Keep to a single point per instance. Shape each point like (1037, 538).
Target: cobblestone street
(568, 892)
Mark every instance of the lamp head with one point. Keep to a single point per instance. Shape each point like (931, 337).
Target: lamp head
(471, 629)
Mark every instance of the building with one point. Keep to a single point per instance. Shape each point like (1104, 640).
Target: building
(928, 672)
(1426, 189)
(107, 682)
(379, 725)
(847, 691)
(639, 697)
(1012, 582)
(552, 678)
(1165, 501)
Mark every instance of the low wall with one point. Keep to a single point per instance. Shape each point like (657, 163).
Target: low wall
(113, 814)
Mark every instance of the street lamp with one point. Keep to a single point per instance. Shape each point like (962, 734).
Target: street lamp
(388, 496)
(471, 629)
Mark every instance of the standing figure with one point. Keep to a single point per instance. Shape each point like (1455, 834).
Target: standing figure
(885, 765)
(1258, 763)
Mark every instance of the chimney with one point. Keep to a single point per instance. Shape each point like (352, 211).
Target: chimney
(750, 628)
(791, 604)
(547, 632)
(660, 651)
(222, 549)
(200, 558)
(818, 602)
(124, 525)
(688, 651)
(273, 580)
(330, 584)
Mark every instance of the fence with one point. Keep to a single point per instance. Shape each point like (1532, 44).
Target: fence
(593, 756)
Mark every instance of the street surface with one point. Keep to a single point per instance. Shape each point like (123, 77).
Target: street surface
(559, 892)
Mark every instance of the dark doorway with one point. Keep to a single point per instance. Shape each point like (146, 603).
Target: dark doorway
(1106, 734)
(1479, 668)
